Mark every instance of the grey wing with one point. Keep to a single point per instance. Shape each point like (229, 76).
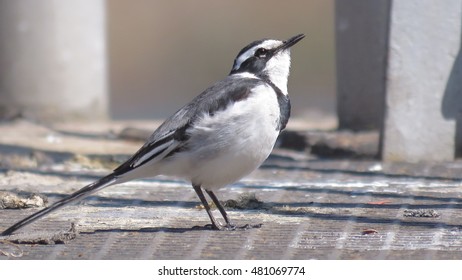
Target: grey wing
(172, 134)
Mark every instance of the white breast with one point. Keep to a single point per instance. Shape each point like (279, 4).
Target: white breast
(230, 144)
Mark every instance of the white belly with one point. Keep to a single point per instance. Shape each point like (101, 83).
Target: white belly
(229, 145)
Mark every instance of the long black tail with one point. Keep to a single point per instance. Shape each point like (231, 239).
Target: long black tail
(78, 195)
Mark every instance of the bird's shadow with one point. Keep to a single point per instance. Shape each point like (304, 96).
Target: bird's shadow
(152, 230)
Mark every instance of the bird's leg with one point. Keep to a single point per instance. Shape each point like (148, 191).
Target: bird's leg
(200, 194)
(229, 225)
(220, 207)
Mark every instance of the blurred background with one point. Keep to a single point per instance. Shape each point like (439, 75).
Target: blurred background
(146, 59)
(143, 60)
(163, 53)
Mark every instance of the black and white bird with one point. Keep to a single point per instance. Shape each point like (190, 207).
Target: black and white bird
(221, 136)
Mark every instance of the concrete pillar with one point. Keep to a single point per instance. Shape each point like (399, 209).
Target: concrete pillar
(424, 97)
(53, 59)
(361, 56)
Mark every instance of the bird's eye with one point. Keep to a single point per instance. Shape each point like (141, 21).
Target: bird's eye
(261, 52)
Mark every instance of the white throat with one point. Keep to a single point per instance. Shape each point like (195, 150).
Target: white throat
(278, 68)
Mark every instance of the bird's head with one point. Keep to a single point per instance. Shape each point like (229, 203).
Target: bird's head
(268, 59)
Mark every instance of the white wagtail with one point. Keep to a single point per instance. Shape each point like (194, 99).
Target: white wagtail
(222, 135)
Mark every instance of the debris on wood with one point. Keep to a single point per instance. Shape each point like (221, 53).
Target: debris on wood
(379, 202)
(9, 249)
(247, 201)
(12, 201)
(367, 231)
(44, 238)
(421, 213)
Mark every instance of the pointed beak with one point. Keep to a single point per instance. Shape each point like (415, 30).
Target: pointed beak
(291, 41)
